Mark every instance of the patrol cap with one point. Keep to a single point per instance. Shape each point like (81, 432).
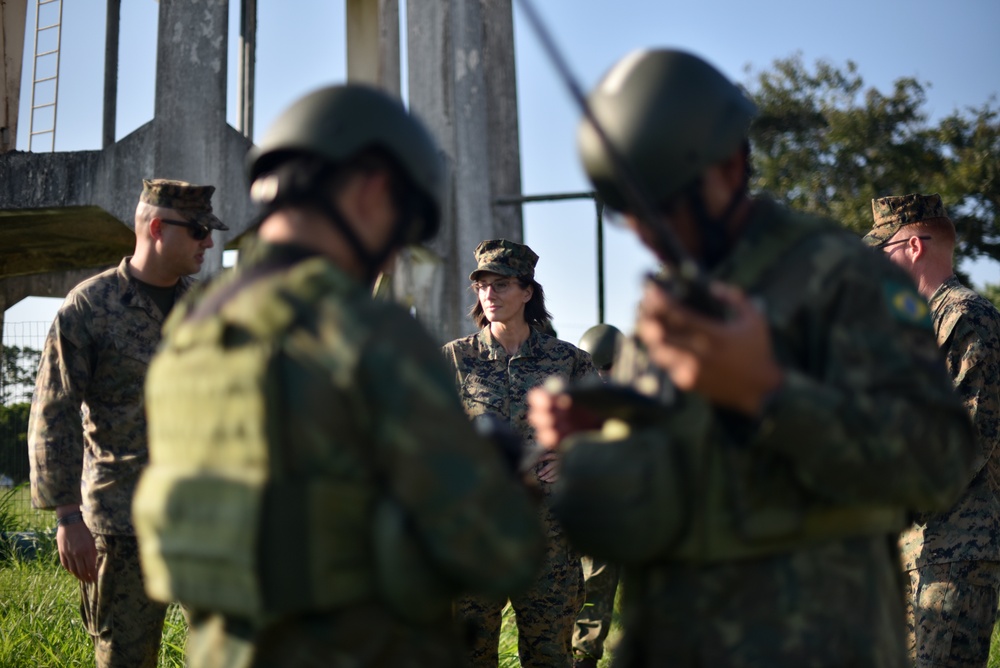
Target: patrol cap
(893, 213)
(506, 258)
(192, 202)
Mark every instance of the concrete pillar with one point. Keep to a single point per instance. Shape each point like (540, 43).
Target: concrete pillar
(12, 25)
(190, 107)
(111, 71)
(247, 67)
(450, 90)
(501, 84)
(373, 43)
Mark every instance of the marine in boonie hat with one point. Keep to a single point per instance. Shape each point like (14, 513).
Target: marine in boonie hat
(506, 258)
(192, 202)
(893, 213)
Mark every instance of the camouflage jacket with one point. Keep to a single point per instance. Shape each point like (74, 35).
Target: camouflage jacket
(491, 381)
(362, 399)
(785, 550)
(968, 331)
(866, 417)
(95, 359)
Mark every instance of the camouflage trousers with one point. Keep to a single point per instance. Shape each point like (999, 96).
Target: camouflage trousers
(545, 614)
(125, 625)
(594, 621)
(360, 636)
(826, 606)
(951, 610)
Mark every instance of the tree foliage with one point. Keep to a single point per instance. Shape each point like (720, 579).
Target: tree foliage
(825, 143)
(18, 366)
(14, 441)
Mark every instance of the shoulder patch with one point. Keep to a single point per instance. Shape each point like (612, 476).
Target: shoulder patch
(906, 304)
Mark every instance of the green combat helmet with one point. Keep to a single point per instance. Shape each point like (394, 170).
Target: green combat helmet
(602, 342)
(338, 122)
(670, 115)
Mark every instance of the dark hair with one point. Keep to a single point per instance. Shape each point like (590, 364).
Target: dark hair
(535, 312)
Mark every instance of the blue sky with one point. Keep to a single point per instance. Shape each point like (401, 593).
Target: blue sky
(950, 47)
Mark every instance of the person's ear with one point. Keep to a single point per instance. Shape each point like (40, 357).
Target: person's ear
(156, 228)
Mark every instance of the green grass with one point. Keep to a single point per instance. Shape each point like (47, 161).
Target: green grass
(40, 623)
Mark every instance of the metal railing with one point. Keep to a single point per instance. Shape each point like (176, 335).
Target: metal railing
(517, 200)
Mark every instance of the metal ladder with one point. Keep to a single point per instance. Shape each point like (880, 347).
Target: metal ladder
(43, 40)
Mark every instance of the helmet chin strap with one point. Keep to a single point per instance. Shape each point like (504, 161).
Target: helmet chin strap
(303, 193)
(713, 230)
(371, 261)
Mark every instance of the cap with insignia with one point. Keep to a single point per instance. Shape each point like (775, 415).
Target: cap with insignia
(506, 258)
(893, 213)
(192, 202)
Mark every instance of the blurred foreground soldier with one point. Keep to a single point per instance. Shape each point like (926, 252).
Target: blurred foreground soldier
(493, 370)
(95, 360)
(756, 504)
(600, 577)
(316, 496)
(953, 557)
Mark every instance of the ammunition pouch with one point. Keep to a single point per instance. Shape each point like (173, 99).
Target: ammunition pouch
(253, 551)
(623, 500)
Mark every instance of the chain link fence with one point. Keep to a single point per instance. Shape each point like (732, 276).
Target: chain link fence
(22, 345)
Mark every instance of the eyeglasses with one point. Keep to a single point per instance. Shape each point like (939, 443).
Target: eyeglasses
(886, 244)
(197, 231)
(499, 287)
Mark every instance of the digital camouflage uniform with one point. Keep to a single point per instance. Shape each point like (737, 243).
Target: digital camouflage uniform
(95, 357)
(785, 552)
(359, 401)
(953, 557)
(491, 382)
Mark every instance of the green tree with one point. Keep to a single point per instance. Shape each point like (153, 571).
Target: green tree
(825, 143)
(14, 441)
(18, 366)
(992, 292)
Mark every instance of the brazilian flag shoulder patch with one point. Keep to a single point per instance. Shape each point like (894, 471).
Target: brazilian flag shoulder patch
(906, 304)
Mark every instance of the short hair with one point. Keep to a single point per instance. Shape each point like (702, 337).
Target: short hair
(535, 313)
(936, 227)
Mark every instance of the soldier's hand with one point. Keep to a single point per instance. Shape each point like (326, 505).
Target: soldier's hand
(547, 467)
(554, 417)
(77, 551)
(731, 363)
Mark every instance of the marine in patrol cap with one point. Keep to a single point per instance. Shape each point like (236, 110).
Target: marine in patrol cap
(192, 202)
(506, 258)
(893, 213)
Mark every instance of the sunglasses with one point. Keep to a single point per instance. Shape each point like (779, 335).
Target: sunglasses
(886, 244)
(197, 231)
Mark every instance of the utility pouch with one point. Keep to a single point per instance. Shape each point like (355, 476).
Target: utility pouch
(622, 499)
